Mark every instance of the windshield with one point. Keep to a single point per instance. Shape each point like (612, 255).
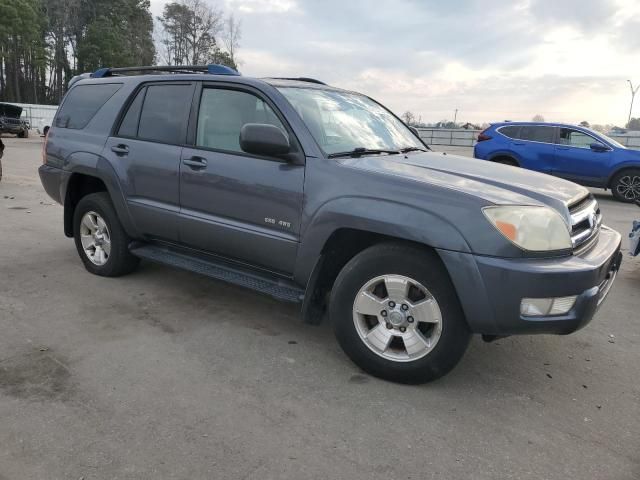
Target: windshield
(343, 122)
(608, 139)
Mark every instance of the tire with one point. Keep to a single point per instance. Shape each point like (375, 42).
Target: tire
(96, 210)
(421, 269)
(23, 134)
(625, 185)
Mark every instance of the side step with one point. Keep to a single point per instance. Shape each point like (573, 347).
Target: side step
(273, 286)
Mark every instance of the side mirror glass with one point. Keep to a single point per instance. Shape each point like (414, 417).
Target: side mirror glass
(598, 147)
(264, 139)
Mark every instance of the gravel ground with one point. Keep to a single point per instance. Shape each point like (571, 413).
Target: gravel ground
(166, 374)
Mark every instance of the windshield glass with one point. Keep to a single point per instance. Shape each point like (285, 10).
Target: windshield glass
(606, 138)
(342, 122)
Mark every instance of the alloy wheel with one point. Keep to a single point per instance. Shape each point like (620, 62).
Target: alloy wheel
(95, 238)
(397, 318)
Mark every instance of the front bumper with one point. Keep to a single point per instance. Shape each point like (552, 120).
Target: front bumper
(491, 289)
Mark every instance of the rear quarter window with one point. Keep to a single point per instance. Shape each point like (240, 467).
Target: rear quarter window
(82, 103)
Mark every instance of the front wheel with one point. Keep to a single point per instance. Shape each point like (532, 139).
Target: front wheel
(625, 186)
(397, 316)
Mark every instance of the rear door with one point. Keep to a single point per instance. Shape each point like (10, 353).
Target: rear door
(235, 204)
(535, 147)
(146, 149)
(575, 160)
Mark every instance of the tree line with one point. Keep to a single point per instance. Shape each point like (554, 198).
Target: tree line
(44, 43)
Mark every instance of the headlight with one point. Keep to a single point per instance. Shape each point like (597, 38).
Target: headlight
(536, 229)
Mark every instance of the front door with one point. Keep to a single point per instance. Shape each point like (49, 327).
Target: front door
(575, 160)
(232, 203)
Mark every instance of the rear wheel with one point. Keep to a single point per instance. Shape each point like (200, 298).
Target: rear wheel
(397, 316)
(625, 186)
(102, 243)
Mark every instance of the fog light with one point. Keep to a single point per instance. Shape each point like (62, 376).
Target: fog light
(542, 307)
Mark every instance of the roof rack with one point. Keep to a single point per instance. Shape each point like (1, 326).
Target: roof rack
(301, 79)
(213, 69)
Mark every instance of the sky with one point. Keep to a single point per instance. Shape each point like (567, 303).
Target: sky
(567, 60)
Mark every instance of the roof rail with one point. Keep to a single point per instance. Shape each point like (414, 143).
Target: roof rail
(301, 79)
(213, 69)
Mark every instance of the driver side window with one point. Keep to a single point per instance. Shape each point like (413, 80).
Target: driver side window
(224, 112)
(575, 138)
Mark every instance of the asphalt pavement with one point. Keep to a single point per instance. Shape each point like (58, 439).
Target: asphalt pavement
(164, 374)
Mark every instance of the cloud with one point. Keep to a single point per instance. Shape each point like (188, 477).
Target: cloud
(566, 59)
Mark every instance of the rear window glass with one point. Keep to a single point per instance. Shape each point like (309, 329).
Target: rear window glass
(165, 113)
(82, 103)
(537, 134)
(511, 132)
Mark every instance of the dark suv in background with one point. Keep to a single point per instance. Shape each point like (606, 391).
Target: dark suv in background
(576, 153)
(10, 121)
(323, 197)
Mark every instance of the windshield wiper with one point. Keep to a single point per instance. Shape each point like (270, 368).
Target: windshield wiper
(360, 151)
(414, 149)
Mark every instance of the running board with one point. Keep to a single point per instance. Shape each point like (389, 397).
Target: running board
(273, 286)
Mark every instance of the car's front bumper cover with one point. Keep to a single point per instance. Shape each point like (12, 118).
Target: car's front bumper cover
(491, 289)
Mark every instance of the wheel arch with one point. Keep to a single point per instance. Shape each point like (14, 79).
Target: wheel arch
(619, 169)
(334, 237)
(505, 156)
(91, 174)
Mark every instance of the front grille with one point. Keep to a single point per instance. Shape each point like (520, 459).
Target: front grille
(586, 221)
(11, 121)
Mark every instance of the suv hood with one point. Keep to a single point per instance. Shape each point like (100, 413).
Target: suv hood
(495, 183)
(11, 111)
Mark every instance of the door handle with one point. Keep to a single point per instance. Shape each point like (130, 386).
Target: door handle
(518, 144)
(561, 148)
(120, 149)
(195, 162)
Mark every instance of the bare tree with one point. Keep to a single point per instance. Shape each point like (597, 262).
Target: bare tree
(190, 33)
(231, 35)
(538, 118)
(408, 117)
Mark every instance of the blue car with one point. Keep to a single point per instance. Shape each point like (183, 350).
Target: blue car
(568, 151)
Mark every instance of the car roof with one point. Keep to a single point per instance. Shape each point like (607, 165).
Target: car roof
(301, 82)
(538, 124)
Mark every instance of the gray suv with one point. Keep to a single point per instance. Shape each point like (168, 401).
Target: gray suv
(323, 197)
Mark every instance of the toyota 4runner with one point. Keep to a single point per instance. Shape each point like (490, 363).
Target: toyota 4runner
(321, 196)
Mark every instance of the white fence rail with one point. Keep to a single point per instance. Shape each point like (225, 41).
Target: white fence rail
(459, 137)
(39, 116)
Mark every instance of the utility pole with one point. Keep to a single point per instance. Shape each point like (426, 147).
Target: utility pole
(633, 96)
(455, 117)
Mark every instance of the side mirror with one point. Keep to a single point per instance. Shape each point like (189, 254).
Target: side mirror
(264, 139)
(598, 147)
(415, 131)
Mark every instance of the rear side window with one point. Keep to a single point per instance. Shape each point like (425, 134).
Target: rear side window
(511, 131)
(165, 112)
(537, 134)
(82, 103)
(129, 125)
